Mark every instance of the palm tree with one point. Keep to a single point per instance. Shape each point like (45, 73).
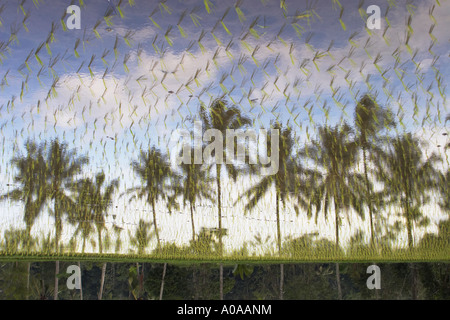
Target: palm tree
(443, 189)
(243, 270)
(286, 182)
(370, 119)
(407, 176)
(141, 240)
(101, 203)
(142, 236)
(154, 170)
(62, 166)
(162, 281)
(30, 177)
(221, 117)
(195, 186)
(83, 215)
(335, 154)
(92, 207)
(13, 239)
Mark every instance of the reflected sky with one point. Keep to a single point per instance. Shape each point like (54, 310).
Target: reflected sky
(127, 81)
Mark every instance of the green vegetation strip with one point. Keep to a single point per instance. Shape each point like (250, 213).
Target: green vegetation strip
(400, 256)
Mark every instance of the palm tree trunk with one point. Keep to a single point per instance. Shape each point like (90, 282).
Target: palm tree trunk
(369, 197)
(28, 279)
(221, 281)
(102, 281)
(57, 234)
(100, 245)
(28, 232)
(338, 275)
(56, 280)
(195, 283)
(410, 244)
(84, 244)
(369, 203)
(338, 282)
(408, 219)
(42, 292)
(281, 281)
(277, 212)
(414, 281)
(162, 281)
(192, 221)
(219, 207)
(138, 275)
(58, 225)
(408, 227)
(155, 225)
(113, 272)
(81, 285)
(336, 215)
(142, 279)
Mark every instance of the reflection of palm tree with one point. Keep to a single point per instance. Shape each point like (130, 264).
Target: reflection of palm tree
(221, 117)
(154, 171)
(406, 176)
(30, 177)
(84, 218)
(370, 118)
(206, 243)
(93, 204)
(195, 186)
(261, 242)
(161, 290)
(62, 166)
(335, 155)
(101, 203)
(117, 232)
(141, 240)
(13, 239)
(285, 182)
(444, 190)
(243, 270)
(42, 290)
(83, 215)
(142, 236)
